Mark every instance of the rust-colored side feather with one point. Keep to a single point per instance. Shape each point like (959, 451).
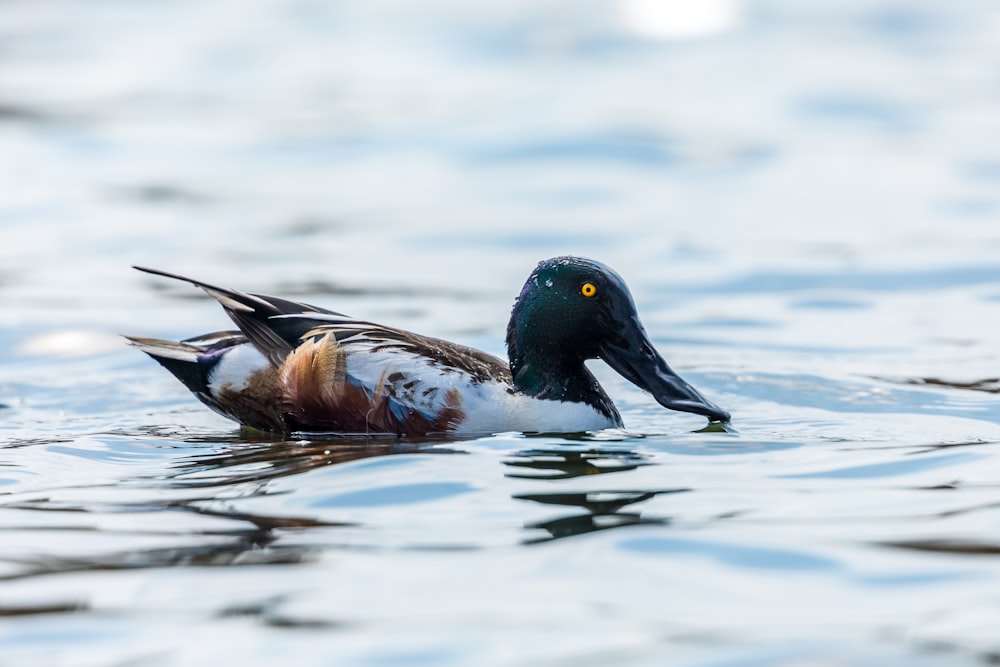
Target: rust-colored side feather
(316, 395)
(451, 415)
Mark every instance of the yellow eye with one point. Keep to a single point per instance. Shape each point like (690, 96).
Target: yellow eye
(588, 290)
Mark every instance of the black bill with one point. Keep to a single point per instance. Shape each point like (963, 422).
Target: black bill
(633, 356)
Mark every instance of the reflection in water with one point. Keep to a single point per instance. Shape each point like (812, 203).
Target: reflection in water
(951, 546)
(602, 512)
(596, 502)
(587, 523)
(35, 610)
(238, 544)
(261, 461)
(988, 385)
(254, 549)
(564, 464)
(268, 612)
(249, 538)
(602, 507)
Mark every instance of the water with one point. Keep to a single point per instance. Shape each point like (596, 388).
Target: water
(803, 198)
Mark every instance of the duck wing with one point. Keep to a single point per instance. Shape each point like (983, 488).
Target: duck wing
(357, 336)
(330, 372)
(258, 316)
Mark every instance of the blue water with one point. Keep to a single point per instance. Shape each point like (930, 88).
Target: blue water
(802, 196)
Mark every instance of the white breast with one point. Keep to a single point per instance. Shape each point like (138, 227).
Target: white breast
(491, 409)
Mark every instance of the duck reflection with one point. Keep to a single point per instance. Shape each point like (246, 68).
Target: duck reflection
(564, 464)
(201, 483)
(247, 547)
(262, 460)
(602, 512)
(601, 509)
(258, 462)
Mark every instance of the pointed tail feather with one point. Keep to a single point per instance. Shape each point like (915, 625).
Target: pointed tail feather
(259, 317)
(230, 299)
(185, 361)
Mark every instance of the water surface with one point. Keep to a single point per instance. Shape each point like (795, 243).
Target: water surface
(804, 200)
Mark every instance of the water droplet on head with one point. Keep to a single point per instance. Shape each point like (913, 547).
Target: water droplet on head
(548, 282)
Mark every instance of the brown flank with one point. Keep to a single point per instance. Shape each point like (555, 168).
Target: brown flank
(316, 396)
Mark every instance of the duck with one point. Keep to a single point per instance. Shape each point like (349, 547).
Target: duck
(291, 367)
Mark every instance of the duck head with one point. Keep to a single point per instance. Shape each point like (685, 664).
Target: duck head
(573, 309)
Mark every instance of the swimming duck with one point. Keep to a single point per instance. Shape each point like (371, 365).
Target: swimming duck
(293, 367)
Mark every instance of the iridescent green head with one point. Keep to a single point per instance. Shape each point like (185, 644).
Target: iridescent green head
(573, 309)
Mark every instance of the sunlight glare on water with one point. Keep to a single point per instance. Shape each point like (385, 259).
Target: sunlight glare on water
(803, 198)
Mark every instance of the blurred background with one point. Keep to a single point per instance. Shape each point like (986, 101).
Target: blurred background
(714, 148)
(803, 196)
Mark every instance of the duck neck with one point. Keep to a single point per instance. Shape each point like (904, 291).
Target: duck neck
(550, 375)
